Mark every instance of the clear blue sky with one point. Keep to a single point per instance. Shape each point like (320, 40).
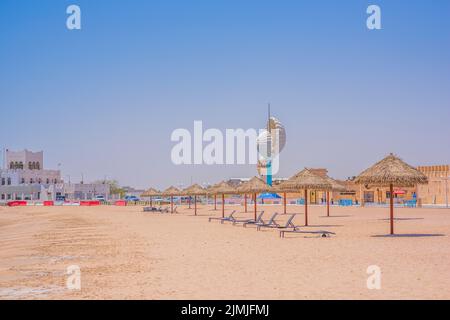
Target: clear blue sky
(104, 100)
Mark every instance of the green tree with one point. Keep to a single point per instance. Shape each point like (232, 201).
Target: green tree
(114, 187)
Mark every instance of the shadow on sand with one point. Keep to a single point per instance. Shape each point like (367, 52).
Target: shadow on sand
(343, 216)
(409, 235)
(401, 219)
(322, 226)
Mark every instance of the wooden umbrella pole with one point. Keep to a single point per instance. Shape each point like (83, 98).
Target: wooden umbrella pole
(223, 205)
(195, 205)
(306, 207)
(171, 204)
(284, 201)
(215, 202)
(255, 205)
(328, 203)
(392, 207)
(245, 202)
(151, 201)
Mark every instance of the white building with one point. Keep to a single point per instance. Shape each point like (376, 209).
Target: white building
(24, 178)
(27, 168)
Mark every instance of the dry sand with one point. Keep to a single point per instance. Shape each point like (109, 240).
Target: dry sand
(124, 253)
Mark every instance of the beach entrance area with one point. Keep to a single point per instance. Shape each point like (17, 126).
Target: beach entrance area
(124, 253)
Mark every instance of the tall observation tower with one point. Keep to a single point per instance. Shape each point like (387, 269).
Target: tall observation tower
(270, 143)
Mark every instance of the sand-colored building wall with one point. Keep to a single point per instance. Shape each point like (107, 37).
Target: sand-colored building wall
(437, 190)
(371, 194)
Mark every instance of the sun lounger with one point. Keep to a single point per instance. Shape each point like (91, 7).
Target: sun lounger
(250, 221)
(259, 220)
(296, 229)
(164, 210)
(154, 209)
(323, 233)
(269, 223)
(150, 209)
(229, 218)
(288, 224)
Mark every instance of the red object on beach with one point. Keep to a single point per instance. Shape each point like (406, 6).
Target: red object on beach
(17, 203)
(48, 203)
(90, 203)
(399, 191)
(121, 203)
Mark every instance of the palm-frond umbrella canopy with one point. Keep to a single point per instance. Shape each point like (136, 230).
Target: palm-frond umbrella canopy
(304, 180)
(391, 171)
(171, 192)
(152, 192)
(254, 186)
(223, 188)
(194, 190)
(335, 186)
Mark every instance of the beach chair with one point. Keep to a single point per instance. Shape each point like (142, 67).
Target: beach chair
(258, 219)
(151, 209)
(269, 223)
(296, 229)
(323, 233)
(288, 224)
(163, 210)
(229, 218)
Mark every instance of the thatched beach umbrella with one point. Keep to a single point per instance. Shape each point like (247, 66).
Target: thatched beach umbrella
(171, 192)
(223, 188)
(304, 180)
(194, 190)
(152, 192)
(335, 186)
(254, 186)
(391, 171)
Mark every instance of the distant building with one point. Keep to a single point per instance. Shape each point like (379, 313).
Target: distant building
(235, 182)
(129, 191)
(27, 168)
(25, 178)
(437, 190)
(83, 191)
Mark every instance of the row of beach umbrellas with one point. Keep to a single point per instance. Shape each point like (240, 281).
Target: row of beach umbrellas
(304, 180)
(390, 172)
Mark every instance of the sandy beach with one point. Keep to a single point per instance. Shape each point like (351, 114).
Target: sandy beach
(124, 253)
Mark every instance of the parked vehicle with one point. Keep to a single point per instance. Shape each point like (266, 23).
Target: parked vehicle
(132, 198)
(100, 198)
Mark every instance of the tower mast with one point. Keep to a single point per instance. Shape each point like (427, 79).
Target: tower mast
(269, 150)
